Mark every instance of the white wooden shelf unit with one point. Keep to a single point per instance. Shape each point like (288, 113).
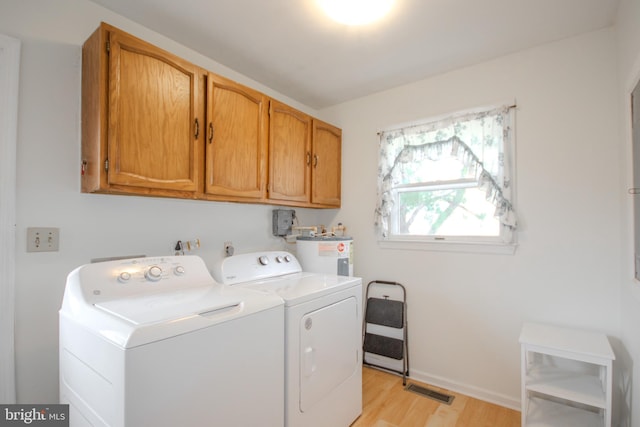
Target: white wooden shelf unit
(566, 377)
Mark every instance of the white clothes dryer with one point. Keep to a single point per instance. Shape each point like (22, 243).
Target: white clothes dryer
(157, 342)
(323, 333)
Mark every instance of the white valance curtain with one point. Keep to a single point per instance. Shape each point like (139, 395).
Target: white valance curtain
(468, 137)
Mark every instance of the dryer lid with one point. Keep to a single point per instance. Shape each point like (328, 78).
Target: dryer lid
(302, 287)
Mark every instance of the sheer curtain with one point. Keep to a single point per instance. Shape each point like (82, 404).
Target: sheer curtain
(456, 135)
(9, 76)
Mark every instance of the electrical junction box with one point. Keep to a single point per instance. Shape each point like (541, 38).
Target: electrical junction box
(283, 221)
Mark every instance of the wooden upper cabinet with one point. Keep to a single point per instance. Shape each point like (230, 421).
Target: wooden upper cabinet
(144, 127)
(305, 159)
(326, 164)
(236, 140)
(155, 124)
(289, 154)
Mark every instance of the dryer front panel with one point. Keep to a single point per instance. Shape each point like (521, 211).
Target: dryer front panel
(329, 345)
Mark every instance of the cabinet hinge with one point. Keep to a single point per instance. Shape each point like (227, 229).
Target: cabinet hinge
(108, 46)
(106, 165)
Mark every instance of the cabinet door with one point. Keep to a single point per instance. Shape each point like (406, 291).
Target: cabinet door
(154, 100)
(236, 139)
(289, 153)
(326, 164)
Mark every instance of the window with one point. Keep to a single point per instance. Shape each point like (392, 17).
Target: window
(448, 180)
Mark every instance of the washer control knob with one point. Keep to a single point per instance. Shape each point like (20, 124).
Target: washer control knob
(287, 258)
(179, 270)
(263, 260)
(279, 259)
(124, 277)
(154, 273)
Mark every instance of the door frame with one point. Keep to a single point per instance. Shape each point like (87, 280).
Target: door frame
(9, 82)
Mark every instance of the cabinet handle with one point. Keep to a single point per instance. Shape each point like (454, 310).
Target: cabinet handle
(210, 133)
(197, 128)
(308, 158)
(315, 160)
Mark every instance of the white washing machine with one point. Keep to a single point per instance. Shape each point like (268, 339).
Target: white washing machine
(157, 342)
(323, 324)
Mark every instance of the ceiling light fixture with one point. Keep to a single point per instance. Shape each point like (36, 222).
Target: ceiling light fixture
(356, 12)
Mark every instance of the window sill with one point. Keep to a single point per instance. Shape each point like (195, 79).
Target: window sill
(450, 246)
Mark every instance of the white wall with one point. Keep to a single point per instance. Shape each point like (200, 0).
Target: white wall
(48, 184)
(629, 74)
(466, 310)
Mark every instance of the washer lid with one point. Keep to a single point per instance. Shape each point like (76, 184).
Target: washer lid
(140, 320)
(120, 302)
(162, 307)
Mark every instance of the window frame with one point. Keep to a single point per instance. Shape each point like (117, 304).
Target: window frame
(504, 243)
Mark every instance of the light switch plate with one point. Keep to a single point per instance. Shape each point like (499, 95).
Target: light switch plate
(43, 239)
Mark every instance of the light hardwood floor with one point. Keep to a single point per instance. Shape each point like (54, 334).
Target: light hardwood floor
(387, 404)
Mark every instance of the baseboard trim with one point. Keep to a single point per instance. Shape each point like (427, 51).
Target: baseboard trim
(466, 389)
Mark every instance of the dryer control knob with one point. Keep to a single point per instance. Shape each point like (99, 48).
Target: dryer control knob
(124, 277)
(287, 258)
(264, 260)
(279, 259)
(154, 273)
(179, 270)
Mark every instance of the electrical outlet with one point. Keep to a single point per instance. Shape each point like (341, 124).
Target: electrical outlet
(228, 248)
(43, 239)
